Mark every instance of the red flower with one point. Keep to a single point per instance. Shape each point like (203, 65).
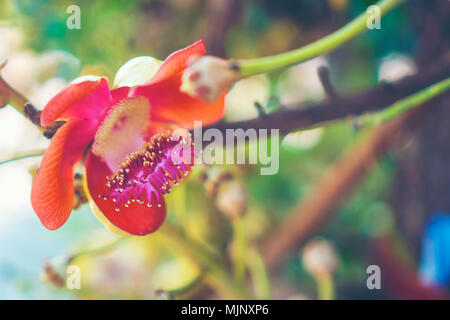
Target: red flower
(127, 165)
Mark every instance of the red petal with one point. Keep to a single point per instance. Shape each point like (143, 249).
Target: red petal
(119, 94)
(137, 219)
(168, 103)
(52, 191)
(83, 100)
(177, 61)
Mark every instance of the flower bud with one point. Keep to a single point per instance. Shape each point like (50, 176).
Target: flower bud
(319, 258)
(136, 71)
(54, 271)
(232, 199)
(214, 179)
(208, 77)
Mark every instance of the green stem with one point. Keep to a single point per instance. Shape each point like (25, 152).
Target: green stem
(259, 275)
(240, 249)
(23, 155)
(215, 273)
(100, 250)
(180, 203)
(325, 287)
(251, 67)
(186, 288)
(403, 105)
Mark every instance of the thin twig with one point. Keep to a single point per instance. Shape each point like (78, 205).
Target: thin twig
(288, 119)
(33, 114)
(96, 251)
(374, 99)
(260, 109)
(324, 75)
(358, 25)
(23, 155)
(216, 274)
(403, 105)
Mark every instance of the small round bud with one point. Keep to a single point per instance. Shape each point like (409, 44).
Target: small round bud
(208, 77)
(136, 71)
(232, 199)
(319, 258)
(54, 271)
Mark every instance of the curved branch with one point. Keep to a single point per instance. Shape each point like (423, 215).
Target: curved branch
(374, 99)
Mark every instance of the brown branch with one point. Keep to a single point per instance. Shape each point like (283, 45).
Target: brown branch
(51, 129)
(18, 101)
(331, 189)
(33, 114)
(286, 119)
(8, 94)
(374, 99)
(324, 76)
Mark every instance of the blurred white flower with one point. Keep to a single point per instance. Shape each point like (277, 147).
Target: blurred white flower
(301, 83)
(319, 257)
(42, 94)
(136, 71)
(12, 40)
(59, 64)
(232, 199)
(20, 71)
(396, 66)
(239, 101)
(304, 139)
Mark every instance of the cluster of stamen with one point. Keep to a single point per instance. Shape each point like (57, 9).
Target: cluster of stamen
(149, 173)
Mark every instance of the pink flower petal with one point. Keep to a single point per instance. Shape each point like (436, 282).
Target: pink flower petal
(79, 100)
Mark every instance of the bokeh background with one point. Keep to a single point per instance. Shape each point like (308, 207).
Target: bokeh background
(405, 196)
